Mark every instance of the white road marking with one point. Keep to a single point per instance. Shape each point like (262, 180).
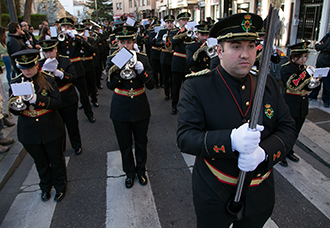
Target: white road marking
(27, 208)
(127, 208)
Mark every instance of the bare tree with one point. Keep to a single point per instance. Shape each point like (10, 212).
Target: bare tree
(27, 11)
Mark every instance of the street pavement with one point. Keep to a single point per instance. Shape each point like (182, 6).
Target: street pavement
(97, 197)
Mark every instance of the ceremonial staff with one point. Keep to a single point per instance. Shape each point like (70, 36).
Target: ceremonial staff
(235, 207)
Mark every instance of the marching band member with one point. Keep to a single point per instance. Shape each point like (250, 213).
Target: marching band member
(163, 40)
(296, 79)
(87, 59)
(179, 67)
(40, 127)
(197, 58)
(64, 74)
(130, 111)
(155, 55)
(71, 46)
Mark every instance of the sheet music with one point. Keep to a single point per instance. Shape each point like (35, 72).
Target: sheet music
(321, 72)
(24, 88)
(122, 57)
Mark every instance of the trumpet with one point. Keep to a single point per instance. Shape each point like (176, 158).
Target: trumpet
(94, 35)
(211, 51)
(314, 82)
(18, 104)
(164, 38)
(61, 36)
(127, 72)
(190, 33)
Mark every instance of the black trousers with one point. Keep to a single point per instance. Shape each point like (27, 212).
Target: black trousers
(91, 85)
(299, 121)
(167, 75)
(212, 212)
(80, 84)
(70, 119)
(124, 132)
(177, 79)
(50, 164)
(157, 72)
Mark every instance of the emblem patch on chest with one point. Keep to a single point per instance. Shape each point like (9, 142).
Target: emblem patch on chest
(44, 93)
(269, 111)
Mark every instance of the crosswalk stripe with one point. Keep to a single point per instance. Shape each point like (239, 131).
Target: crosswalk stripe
(190, 160)
(127, 208)
(309, 182)
(27, 208)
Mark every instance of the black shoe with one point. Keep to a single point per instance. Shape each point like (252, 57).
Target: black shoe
(78, 151)
(91, 119)
(174, 111)
(95, 104)
(129, 182)
(167, 98)
(100, 87)
(283, 163)
(81, 106)
(143, 180)
(293, 157)
(45, 196)
(59, 196)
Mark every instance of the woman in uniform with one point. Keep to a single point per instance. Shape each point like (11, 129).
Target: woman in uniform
(40, 128)
(295, 78)
(130, 112)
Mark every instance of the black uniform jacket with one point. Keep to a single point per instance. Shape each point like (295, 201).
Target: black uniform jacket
(14, 44)
(167, 51)
(72, 48)
(203, 60)
(46, 127)
(296, 99)
(154, 50)
(87, 55)
(207, 115)
(67, 89)
(323, 60)
(124, 108)
(179, 55)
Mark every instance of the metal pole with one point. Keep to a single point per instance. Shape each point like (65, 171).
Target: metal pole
(12, 10)
(97, 13)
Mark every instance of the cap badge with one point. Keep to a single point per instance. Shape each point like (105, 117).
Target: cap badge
(205, 27)
(65, 20)
(24, 58)
(304, 46)
(125, 31)
(247, 23)
(45, 44)
(269, 111)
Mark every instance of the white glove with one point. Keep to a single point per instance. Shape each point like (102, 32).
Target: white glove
(34, 99)
(249, 162)
(245, 140)
(139, 67)
(136, 47)
(58, 73)
(69, 32)
(50, 65)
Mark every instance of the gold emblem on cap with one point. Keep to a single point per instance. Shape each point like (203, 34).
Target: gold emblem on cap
(45, 44)
(205, 27)
(304, 46)
(24, 58)
(125, 31)
(247, 23)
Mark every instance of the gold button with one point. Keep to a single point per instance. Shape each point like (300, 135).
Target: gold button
(247, 104)
(304, 98)
(213, 159)
(131, 81)
(207, 64)
(248, 121)
(37, 119)
(259, 174)
(243, 87)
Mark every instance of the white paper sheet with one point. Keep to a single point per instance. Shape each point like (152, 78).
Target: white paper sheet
(122, 57)
(24, 88)
(130, 21)
(53, 31)
(86, 33)
(212, 42)
(191, 25)
(321, 72)
(158, 28)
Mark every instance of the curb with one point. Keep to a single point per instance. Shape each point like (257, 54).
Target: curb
(12, 159)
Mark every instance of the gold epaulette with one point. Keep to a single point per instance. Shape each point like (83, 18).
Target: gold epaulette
(199, 73)
(17, 76)
(112, 34)
(199, 50)
(144, 54)
(114, 53)
(180, 36)
(47, 73)
(288, 62)
(191, 42)
(64, 56)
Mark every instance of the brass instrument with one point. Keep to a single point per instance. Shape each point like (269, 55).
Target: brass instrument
(95, 24)
(314, 82)
(164, 38)
(211, 51)
(18, 104)
(128, 72)
(190, 33)
(61, 36)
